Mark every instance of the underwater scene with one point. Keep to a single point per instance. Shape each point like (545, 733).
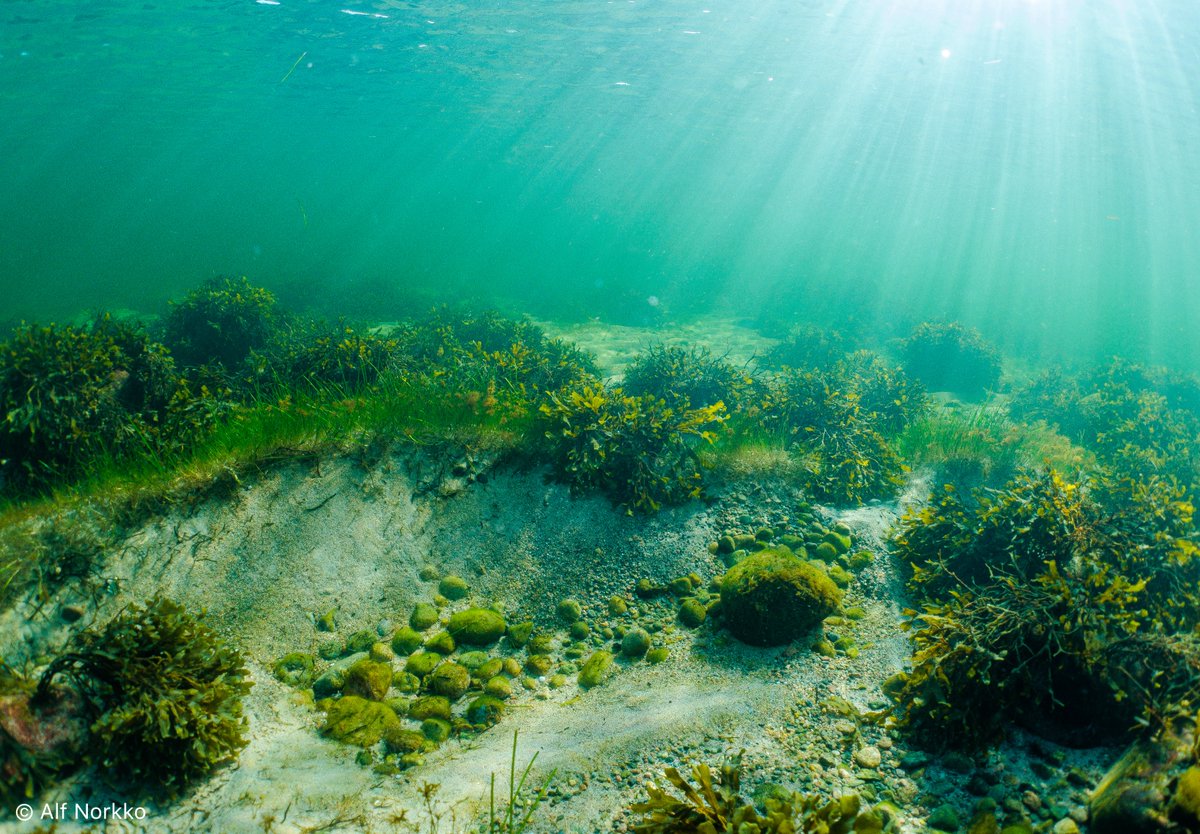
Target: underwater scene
(581, 416)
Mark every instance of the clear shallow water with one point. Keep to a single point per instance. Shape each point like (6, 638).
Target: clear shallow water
(1028, 166)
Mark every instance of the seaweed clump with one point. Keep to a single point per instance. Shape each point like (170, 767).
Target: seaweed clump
(714, 805)
(688, 377)
(70, 395)
(639, 450)
(164, 693)
(221, 322)
(948, 356)
(1054, 604)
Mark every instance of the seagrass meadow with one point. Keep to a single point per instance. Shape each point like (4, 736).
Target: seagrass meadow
(777, 416)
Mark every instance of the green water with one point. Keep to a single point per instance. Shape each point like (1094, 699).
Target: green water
(1027, 166)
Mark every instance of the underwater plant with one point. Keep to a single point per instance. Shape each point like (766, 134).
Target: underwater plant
(687, 377)
(72, 395)
(808, 346)
(220, 323)
(1051, 603)
(948, 356)
(164, 693)
(714, 805)
(638, 450)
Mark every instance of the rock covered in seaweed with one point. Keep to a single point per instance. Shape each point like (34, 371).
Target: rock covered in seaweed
(772, 597)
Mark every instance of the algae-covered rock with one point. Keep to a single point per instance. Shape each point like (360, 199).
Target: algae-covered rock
(1135, 796)
(424, 616)
(772, 598)
(476, 627)
(442, 643)
(596, 668)
(1185, 805)
(333, 679)
(635, 644)
(538, 664)
(406, 641)
(498, 687)
(488, 669)
(485, 711)
(579, 630)
(692, 612)
(368, 679)
(518, 635)
(360, 641)
(826, 552)
(354, 720)
(569, 610)
(681, 587)
(453, 587)
(436, 730)
(294, 669)
(617, 605)
(449, 679)
(330, 646)
(405, 741)
(839, 541)
(422, 663)
(656, 656)
(429, 706)
(840, 576)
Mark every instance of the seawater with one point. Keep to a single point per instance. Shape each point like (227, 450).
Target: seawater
(1026, 166)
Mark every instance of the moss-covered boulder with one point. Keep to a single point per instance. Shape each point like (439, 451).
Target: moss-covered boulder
(772, 597)
(476, 627)
(485, 711)
(354, 720)
(295, 669)
(635, 643)
(422, 663)
(424, 616)
(429, 706)
(368, 679)
(453, 587)
(403, 740)
(406, 641)
(692, 612)
(442, 643)
(518, 635)
(449, 679)
(595, 669)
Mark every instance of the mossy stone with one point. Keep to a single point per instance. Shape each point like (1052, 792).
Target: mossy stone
(646, 589)
(358, 721)
(792, 541)
(442, 643)
(498, 687)
(477, 626)
(635, 643)
(692, 612)
(596, 668)
(405, 741)
(330, 646)
(512, 667)
(839, 541)
(840, 576)
(540, 644)
(436, 730)
(860, 559)
(824, 648)
(764, 534)
(579, 630)
(656, 656)
(772, 597)
(406, 641)
(1185, 805)
(429, 706)
(422, 663)
(360, 641)
(518, 635)
(488, 670)
(424, 616)
(449, 679)
(294, 669)
(485, 711)
(453, 587)
(405, 682)
(472, 659)
(743, 541)
(826, 552)
(399, 705)
(681, 587)
(368, 679)
(382, 653)
(557, 681)
(943, 818)
(855, 613)
(538, 664)
(430, 574)
(725, 544)
(569, 610)
(617, 605)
